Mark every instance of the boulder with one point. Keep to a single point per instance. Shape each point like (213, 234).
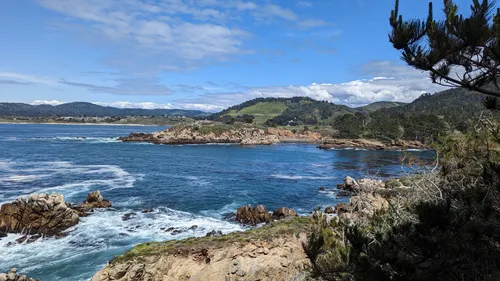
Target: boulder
(342, 208)
(329, 210)
(253, 216)
(350, 184)
(283, 212)
(13, 276)
(322, 189)
(39, 214)
(214, 233)
(95, 200)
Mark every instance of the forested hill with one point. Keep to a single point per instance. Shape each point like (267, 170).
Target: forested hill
(423, 119)
(87, 109)
(285, 111)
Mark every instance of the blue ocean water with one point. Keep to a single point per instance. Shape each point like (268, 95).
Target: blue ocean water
(184, 185)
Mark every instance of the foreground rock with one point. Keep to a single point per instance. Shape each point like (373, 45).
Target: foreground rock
(371, 144)
(45, 214)
(13, 276)
(38, 214)
(274, 253)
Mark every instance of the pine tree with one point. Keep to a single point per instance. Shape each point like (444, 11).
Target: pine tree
(458, 44)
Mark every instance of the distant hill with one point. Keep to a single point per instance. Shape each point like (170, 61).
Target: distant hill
(286, 111)
(424, 119)
(379, 105)
(87, 109)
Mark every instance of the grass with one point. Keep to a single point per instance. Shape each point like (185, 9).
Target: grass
(262, 111)
(292, 226)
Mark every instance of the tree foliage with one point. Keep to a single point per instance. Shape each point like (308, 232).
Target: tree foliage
(441, 47)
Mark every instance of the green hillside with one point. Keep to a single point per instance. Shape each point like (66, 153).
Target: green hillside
(285, 111)
(262, 111)
(372, 107)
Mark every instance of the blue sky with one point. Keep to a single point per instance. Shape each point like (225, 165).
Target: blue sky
(203, 54)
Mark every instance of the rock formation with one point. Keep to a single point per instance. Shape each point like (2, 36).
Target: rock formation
(253, 216)
(95, 200)
(13, 276)
(371, 144)
(45, 214)
(38, 214)
(283, 212)
(276, 258)
(207, 132)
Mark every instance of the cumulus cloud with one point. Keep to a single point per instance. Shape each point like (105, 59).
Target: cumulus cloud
(386, 82)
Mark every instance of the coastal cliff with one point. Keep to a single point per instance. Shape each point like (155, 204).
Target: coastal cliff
(272, 252)
(277, 251)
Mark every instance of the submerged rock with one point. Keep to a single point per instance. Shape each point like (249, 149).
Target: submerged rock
(253, 216)
(39, 214)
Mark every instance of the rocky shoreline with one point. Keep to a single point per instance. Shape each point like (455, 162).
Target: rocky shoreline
(206, 132)
(396, 145)
(274, 249)
(212, 132)
(40, 215)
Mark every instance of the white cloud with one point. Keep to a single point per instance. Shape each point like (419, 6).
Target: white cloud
(18, 78)
(49, 102)
(385, 81)
(143, 105)
(388, 82)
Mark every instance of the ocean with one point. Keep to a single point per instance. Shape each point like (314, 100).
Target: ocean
(184, 185)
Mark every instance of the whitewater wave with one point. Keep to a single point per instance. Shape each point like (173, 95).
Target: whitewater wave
(299, 177)
(78, 139)
(80, 178)
(105, 234)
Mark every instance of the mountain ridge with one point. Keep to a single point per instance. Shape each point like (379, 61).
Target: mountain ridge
(87, 109)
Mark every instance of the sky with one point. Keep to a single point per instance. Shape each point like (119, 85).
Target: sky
(204, 54)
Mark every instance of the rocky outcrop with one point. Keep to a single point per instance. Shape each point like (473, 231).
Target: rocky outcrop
(283, 212)
(371, 144)
(95, 200)
(207, 132)
(252, 216)
(244, 256)
(351, 185)
(367, 199)
(44, 214)
(38, 214)
(13, 276)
